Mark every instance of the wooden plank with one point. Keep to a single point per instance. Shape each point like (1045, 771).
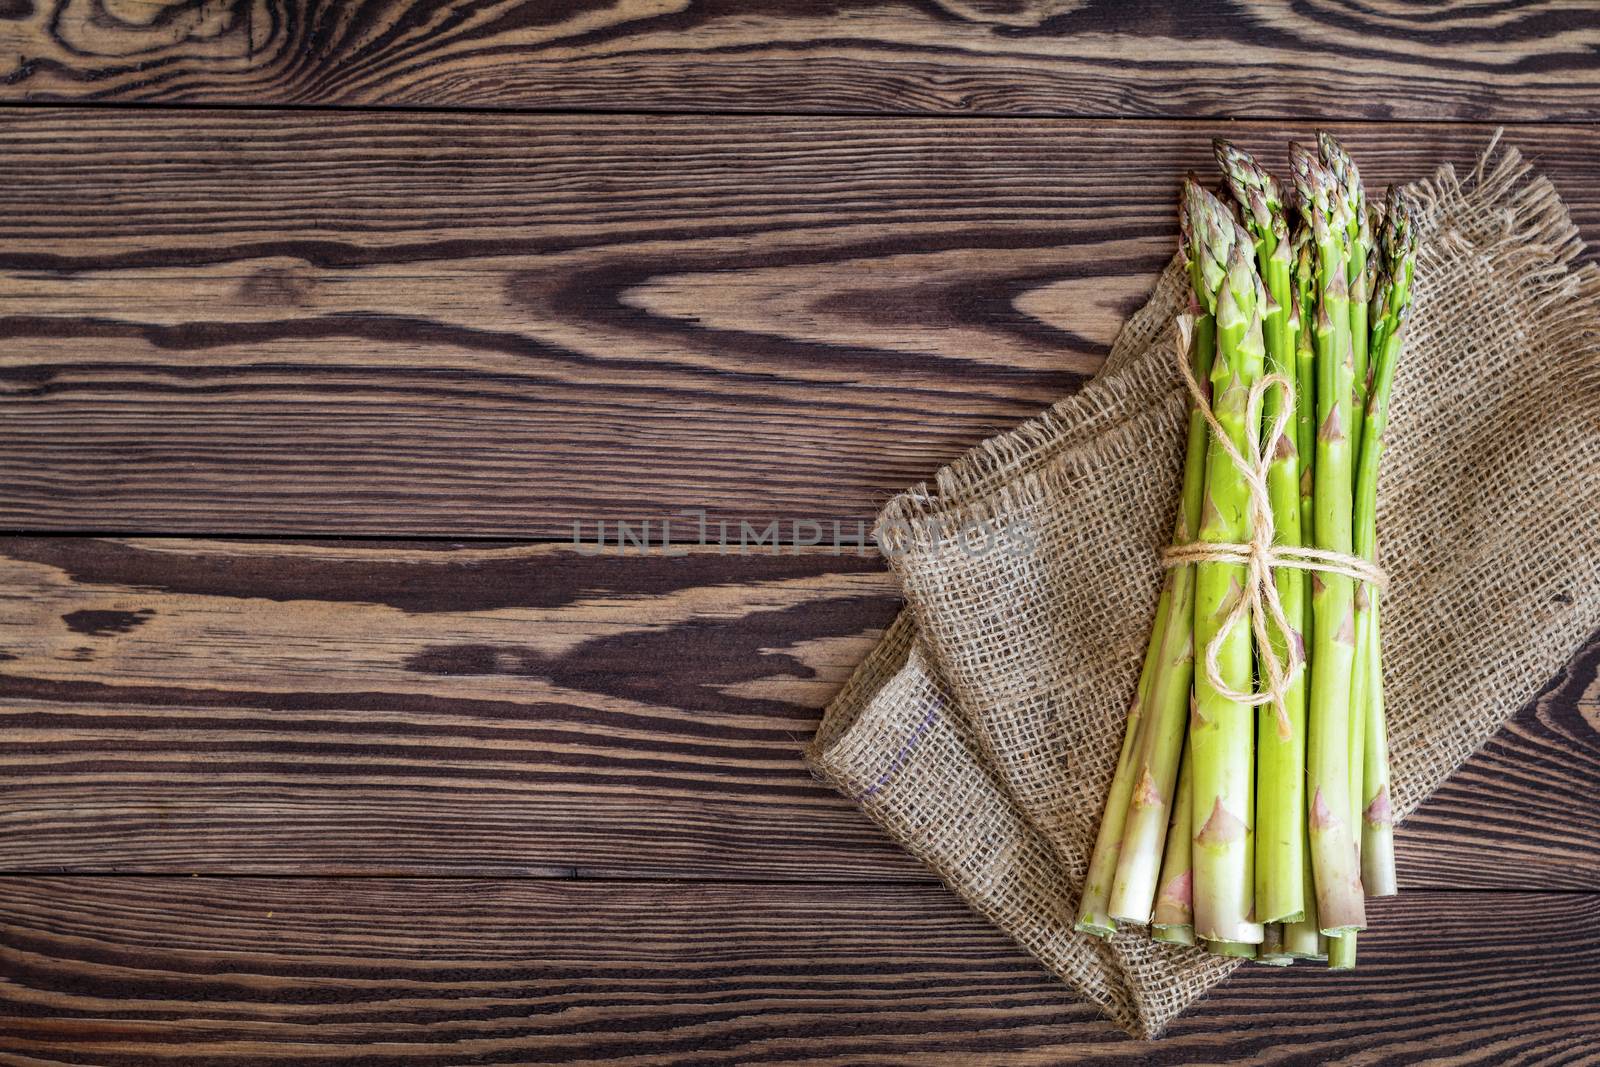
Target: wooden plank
(130, 971)
(221, 322)
(1497, 60)
(183, 706)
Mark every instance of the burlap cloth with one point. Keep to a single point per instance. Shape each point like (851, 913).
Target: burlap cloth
(982, 732)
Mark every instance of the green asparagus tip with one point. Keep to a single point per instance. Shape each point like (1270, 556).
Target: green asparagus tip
(1185, 235)
(1244, 174)
(1380, 286)
(1402, 319)
(1306, 172)
(1213, 234)
(1343, 169)
(1282, 250)
(1320, 230)
(1398, 236)
(1260, 215)
(1242, 276)
(1320, 190)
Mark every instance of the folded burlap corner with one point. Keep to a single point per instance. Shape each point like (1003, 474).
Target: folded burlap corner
(983, 731)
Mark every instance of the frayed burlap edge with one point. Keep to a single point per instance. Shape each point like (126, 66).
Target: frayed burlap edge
(969, 833)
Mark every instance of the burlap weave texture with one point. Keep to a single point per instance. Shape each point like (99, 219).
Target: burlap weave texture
(982, 733)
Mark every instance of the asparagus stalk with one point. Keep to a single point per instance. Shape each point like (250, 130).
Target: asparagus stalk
(1166, 704)
(1272, 952)
(1304, 310)
(1377, 814)
(1244, 950)
(1221, 731)
(1093, 914)
(1261, 203)
(1174, 935)
(1173, 919)
(1342, 951)
(1377, 824)
(1358, 241)
(1340, 903)
(1281, 741)
(1303, 938)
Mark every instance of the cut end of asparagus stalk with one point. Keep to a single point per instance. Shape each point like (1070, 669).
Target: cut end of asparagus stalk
(1342, 952)
(1174, 935)
(1272, 951)
(1243, 950)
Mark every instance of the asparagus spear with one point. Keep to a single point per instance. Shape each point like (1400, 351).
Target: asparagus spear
(1358, 240)
(1399, 238)
(1280, 760)
(1272, 952)
(1340, 903)
(1303, 938)
(1244, 950)
(1166, 704)
(1261, 203)
(1093, 916)
(1174, 935)
(1173, 919)
(1304, 311)
(1221, 730)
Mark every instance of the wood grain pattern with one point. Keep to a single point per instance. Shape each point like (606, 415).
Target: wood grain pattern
(500, 325)
(1493, 60)
(135, 971)
(178, 706)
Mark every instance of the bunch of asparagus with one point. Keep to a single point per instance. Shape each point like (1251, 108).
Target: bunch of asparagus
(1258, 831)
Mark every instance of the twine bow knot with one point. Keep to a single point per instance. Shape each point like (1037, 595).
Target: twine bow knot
(1258, 600)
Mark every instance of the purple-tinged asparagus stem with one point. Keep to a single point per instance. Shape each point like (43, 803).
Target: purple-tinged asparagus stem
(1305, 421)
(1093, 916)
(1358, 245)
(1173, 919)
(1280, 889)
(1377, 817)
(1336, 864)
(1348, 191)
(1398, 248)
(1221, 730)
(1166, 703)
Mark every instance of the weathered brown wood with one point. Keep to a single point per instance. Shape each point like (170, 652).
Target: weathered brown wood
(1495, 60)
(500, 325)
(179, 706)
(136, 971)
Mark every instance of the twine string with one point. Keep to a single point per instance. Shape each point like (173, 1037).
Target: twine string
(1258, 601)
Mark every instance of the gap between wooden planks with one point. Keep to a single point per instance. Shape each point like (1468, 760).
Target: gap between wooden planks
(502, 325)
(392, 707)
(427, 974)
(1490, 61)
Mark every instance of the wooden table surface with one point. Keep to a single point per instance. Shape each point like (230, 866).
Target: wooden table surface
(325, 323)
